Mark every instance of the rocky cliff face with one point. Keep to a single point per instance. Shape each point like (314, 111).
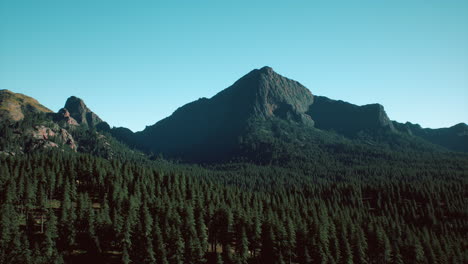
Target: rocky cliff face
(64, 118)
(50, 137)
(78, 110)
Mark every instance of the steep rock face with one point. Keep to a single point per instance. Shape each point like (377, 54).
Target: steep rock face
(453, 138)
(348, 119)
(15, 106)
(211, 128)
(81, 113)
(64, 118)
(42, 137)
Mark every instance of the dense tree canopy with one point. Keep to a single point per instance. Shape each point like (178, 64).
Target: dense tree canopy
(62, 207)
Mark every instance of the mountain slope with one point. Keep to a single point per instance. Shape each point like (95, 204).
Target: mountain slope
(15, 106)
(210, 128)
(26, 126)
(263, 117)
(264, 114)
(348, 119)
(453, 138)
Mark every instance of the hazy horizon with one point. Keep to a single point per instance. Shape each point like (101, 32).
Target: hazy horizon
(135, 64)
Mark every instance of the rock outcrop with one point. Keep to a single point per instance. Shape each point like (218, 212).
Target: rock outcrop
(64, 117)
(81, 113)
(46, 137)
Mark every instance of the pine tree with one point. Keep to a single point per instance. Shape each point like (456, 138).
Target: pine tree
(202, 233)
(243, 248)
(159, 247)
(383, 246)
(50, 235)
(125, 255)
(418, 251)
(177, 247)
(219, 259)
(147, 226)
(255, 236)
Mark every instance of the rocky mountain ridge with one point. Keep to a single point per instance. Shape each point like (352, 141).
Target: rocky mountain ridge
(349, 119)
(216, 127)
(27, 126)
(78, 110)
(262, 104)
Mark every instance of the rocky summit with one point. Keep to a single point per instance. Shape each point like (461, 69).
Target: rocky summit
(81, 113)
(264, 93)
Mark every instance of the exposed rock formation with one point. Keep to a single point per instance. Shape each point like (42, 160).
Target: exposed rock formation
(46, 137)
(81, 113)
(64, 116)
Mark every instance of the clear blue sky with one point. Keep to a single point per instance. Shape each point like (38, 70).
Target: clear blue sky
(135, 62)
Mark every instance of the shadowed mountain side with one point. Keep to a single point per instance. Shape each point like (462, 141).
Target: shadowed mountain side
(453, 138)
(263, 110)
(262, 117)
(209, 129)
(348, 119)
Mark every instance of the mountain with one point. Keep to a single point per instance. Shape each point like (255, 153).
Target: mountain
(261, 117)
(210, 128)
(82, 114)
(298, 178)
(453, 138)
(349, 119)
(263, 109)
(15, 106)
(26, 126)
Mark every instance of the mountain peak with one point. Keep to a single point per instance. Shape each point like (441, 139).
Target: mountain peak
(264, 93)
(257, 73)
(81, 113)
(267, 70)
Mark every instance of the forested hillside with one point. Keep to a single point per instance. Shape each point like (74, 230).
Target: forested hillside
(58, 207)
(261, 173)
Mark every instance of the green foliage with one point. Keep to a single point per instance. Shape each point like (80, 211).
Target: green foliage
(387, 211)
